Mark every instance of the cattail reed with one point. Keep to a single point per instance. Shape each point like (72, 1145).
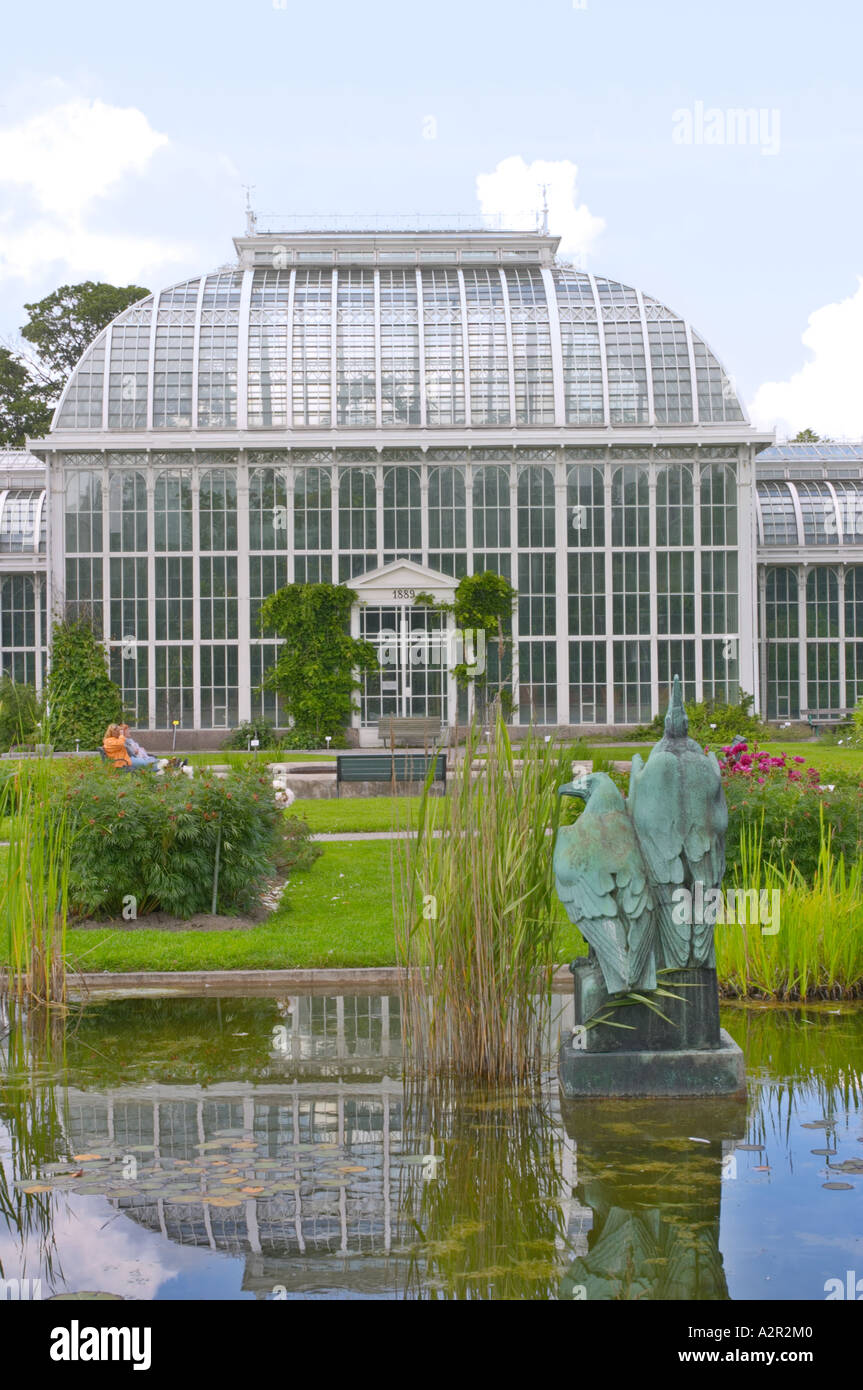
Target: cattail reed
(474, 909)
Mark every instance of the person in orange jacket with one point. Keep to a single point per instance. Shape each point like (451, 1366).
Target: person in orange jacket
(114, 745)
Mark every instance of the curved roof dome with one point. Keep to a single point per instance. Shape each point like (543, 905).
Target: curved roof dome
(335, 345)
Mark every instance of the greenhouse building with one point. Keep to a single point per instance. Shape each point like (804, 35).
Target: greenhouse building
(394, 411)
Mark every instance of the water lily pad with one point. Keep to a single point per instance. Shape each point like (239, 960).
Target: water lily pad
(827, 1152)
(817, 1124)
(750, 1148)
(88, 1158)
(350, 1168)
(252, 1191)
(850, 1165)
(224, 1201)
(141, 1148)
(839, 1186)
(761, 1168)
(86, 1293)
(32, 1187)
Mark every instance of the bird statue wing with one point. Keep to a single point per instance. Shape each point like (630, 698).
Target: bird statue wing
(603, 885)
(679, 813)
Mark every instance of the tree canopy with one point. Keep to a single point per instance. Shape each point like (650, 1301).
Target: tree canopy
(63, 324)
(60, 328)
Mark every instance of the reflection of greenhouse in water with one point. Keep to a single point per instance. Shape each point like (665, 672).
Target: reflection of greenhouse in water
(331, 1125)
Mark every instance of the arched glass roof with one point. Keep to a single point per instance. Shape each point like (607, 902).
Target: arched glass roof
(23, 521)
(810, 513)
(354, 346)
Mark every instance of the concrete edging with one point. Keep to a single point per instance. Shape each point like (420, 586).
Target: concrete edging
(371, 979)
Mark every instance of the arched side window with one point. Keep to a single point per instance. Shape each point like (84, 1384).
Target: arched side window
(357, 509)
(674, 505)
(268, 509)
(218, 509)
(535, 506)
(822, 603)
(447, 518)
(491, 511)
(402, 510)
(718, 505)
(127, 510)
(313, 513)
(585, 506)
(630, 506)
(172, 509)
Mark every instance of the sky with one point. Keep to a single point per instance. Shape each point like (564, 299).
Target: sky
(709, 154)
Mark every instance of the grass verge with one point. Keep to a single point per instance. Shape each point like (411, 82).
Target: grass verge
(337, 913)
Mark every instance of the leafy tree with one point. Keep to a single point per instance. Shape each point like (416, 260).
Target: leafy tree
(315, 671)
(19, 712)
(81, 699)
(808, 436)
(60, 327)
(63, 324)
(24, 402)
(483, 603)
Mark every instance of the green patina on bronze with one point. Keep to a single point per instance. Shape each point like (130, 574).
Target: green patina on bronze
(637, 878)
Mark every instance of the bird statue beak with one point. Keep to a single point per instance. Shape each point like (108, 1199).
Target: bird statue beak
(578, 789)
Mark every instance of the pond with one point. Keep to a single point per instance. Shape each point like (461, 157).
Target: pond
(267, 1148)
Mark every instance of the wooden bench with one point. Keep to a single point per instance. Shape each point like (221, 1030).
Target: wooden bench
(409, 731)
(389, 767)
(819, 718)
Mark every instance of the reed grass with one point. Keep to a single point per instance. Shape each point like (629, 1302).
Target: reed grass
(486, 1203)
(474, 912)
(34, 886)
(817, 952)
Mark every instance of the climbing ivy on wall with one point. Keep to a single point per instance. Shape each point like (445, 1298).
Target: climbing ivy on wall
(80, 697)
(483, 603)
(315, 674)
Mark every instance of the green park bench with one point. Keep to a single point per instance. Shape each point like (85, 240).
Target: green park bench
(389, 767)
(409, 730)
(824, 718)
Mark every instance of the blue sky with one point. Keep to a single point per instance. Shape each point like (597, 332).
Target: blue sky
(126, 134)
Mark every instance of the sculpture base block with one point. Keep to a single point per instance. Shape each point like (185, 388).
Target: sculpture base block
(713, 1071)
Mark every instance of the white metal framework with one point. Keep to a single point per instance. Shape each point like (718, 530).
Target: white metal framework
(441, 403)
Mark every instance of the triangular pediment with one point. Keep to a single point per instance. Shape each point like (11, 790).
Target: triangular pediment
(399, 581)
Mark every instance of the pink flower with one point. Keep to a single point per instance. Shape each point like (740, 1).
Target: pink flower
(761, 780)
(798, 759)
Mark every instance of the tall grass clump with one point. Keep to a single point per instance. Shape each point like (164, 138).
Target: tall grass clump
(817, 953)
(34, 885)
(474, 907)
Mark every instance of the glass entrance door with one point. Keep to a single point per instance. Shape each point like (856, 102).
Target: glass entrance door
(411, 646)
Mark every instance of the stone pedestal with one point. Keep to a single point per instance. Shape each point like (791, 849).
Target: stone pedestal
(638, 1052)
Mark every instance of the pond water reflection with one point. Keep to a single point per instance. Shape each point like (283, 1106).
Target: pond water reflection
(268, 1148)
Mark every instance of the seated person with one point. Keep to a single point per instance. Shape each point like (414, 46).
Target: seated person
(139, 757)
(114, 747)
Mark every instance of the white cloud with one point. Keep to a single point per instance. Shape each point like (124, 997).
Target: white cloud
(514, 191)
(74, 153)
(825, 393)
(63, 160)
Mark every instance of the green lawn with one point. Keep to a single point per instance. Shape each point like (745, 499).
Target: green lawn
(236, 758)
(357, 812)
(338, 913)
